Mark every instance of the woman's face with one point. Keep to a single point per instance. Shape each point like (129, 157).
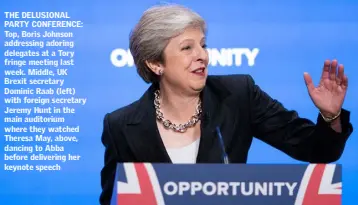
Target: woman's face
(186, 61)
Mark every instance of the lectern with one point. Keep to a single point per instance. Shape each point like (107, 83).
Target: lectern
(225, 184)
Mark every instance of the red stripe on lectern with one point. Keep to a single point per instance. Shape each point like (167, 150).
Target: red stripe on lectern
(312, 195)
(146, 197)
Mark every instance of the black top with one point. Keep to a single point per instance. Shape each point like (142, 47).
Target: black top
(241, 110)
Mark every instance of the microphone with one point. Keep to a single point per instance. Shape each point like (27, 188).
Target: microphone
(224, 154)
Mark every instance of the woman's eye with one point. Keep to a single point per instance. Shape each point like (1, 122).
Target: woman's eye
(204, 46)
(186, 48)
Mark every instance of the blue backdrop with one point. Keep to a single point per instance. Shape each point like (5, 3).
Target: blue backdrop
(291, 37)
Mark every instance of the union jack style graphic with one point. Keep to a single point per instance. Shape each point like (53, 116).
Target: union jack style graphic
(317, 187)
(142, 186)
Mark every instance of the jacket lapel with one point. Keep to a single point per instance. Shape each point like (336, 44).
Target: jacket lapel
(214, 111)
(142, 132)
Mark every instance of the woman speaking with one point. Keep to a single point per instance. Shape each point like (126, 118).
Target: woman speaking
(184, 113)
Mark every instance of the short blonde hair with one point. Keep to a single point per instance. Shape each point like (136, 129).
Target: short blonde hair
(152, 33)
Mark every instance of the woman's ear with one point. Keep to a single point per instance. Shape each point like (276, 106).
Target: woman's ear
(155, 67)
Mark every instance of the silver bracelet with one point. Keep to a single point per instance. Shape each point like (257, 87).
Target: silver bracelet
(330, 119)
